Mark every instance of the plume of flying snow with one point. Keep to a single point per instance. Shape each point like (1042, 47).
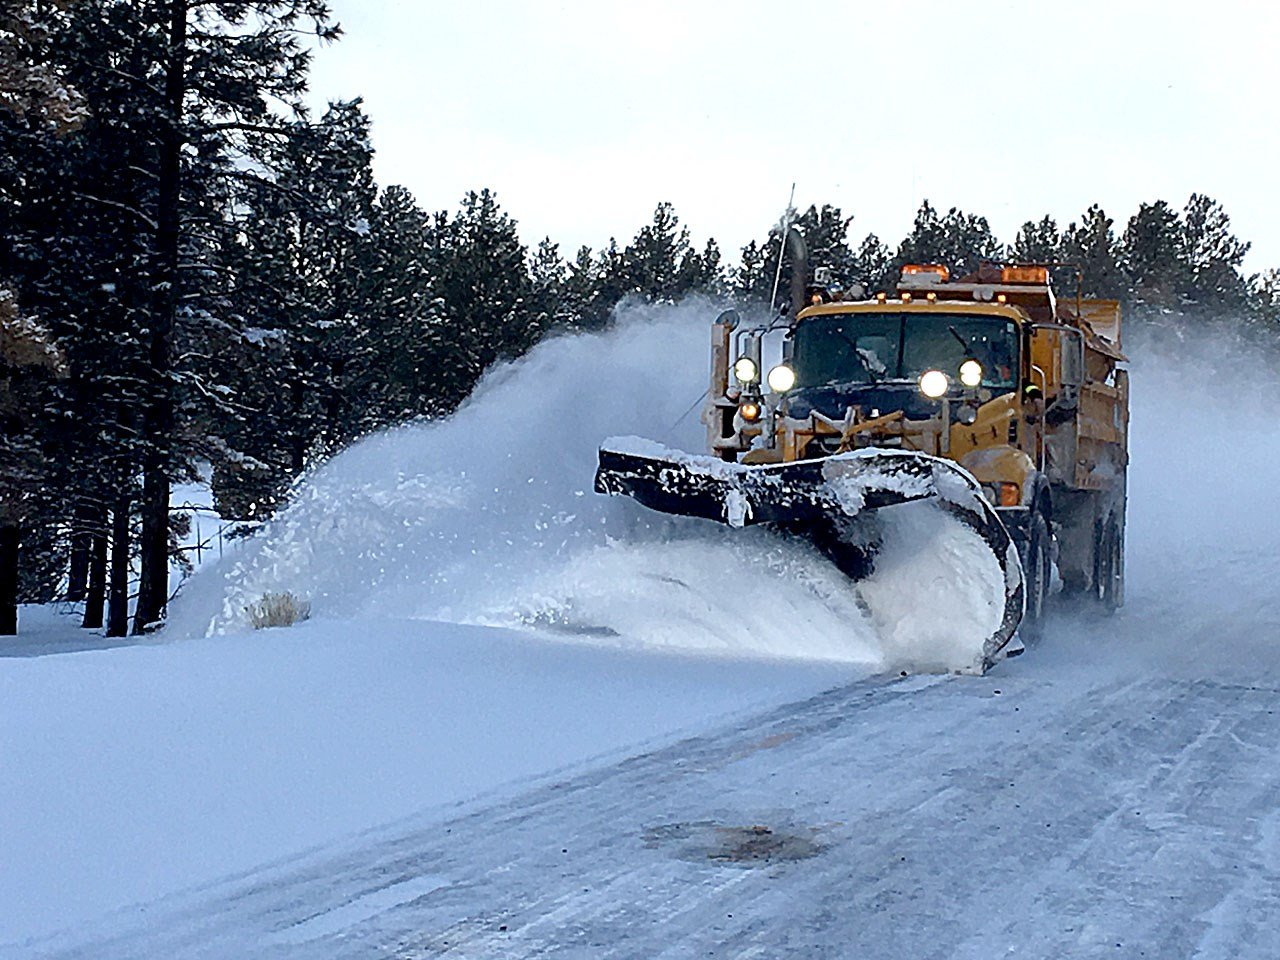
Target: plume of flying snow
(489, 517)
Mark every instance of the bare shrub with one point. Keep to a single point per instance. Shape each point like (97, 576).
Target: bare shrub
(278, 610)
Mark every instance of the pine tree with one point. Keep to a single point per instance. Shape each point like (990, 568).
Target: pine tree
(825, 230)
(612, 275)
(118, 232)
(1092, 245)
(40, 106)
(1263, 314)
(748, 279)
(484, 284)
(969, 241)
(1213, 257)
(581, 288)
(959, 241)
(926, 243)
(33, 85)
(204, 111)
(871, 265)
(548, 276)
(303, 256)
(700, 272)
(1151, 256)
(653, 259)
(1037, 242)
(397, 368)
(27, 355)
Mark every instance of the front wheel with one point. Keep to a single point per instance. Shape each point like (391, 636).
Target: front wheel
(1036, 575)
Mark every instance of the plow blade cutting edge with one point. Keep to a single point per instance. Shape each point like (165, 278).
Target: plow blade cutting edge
(812, 498)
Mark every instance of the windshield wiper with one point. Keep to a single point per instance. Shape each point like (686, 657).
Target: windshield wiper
(967, 344)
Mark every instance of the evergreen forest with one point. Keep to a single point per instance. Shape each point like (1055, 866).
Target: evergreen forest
(197, 273)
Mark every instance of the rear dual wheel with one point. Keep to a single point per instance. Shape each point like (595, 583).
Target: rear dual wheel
(1108, 576)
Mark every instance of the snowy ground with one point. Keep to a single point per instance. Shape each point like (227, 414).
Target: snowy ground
(126, 774)
(1114, 792)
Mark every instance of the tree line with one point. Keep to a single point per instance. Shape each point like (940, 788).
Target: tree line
(195, 271)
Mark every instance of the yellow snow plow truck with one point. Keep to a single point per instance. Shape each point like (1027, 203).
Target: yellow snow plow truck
(989, 395)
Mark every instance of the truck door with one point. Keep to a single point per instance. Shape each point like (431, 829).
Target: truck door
(1057, 355)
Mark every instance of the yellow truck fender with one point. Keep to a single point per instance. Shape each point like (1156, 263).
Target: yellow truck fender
(1004, 465)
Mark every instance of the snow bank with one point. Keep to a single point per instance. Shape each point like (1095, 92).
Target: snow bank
(489, 517)
(131, 773)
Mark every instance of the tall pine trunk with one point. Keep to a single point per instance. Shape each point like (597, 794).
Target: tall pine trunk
(153, 587)
(8, 580)
(81, 544)
(96, 595)
(118, 606)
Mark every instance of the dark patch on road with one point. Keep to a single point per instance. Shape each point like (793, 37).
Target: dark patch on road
(754, 845)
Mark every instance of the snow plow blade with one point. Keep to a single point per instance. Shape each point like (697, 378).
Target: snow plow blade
(815, 499)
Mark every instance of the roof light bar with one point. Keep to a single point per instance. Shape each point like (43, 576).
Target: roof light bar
(1024, 275)
(937, 270)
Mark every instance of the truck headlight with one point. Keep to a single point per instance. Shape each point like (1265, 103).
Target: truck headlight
(745, 370)
(934, 383)
(971, 373)
(781, 378)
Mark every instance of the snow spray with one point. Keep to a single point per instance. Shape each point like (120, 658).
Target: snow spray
(489, 517)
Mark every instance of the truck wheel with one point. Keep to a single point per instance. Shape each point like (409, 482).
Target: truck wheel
(1109, 578)
(1036, 573)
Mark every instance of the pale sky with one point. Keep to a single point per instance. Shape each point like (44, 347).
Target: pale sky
(583, 114)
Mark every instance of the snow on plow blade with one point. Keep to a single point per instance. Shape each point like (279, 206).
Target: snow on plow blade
(813, 498)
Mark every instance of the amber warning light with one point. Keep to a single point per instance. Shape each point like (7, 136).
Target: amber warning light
(932, 272)
(1024, 275)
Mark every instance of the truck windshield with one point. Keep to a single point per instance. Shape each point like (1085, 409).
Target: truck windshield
(856, 348)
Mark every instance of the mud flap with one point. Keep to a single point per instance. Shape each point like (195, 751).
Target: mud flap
(812, 498)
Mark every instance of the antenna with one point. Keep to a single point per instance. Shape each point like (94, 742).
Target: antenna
(782, 247)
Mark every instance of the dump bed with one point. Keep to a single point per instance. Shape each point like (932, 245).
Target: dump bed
(1088, 450)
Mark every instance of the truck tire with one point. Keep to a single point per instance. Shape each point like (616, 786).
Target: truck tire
(1075, 525)
(1109, 575)
(1037, 574)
